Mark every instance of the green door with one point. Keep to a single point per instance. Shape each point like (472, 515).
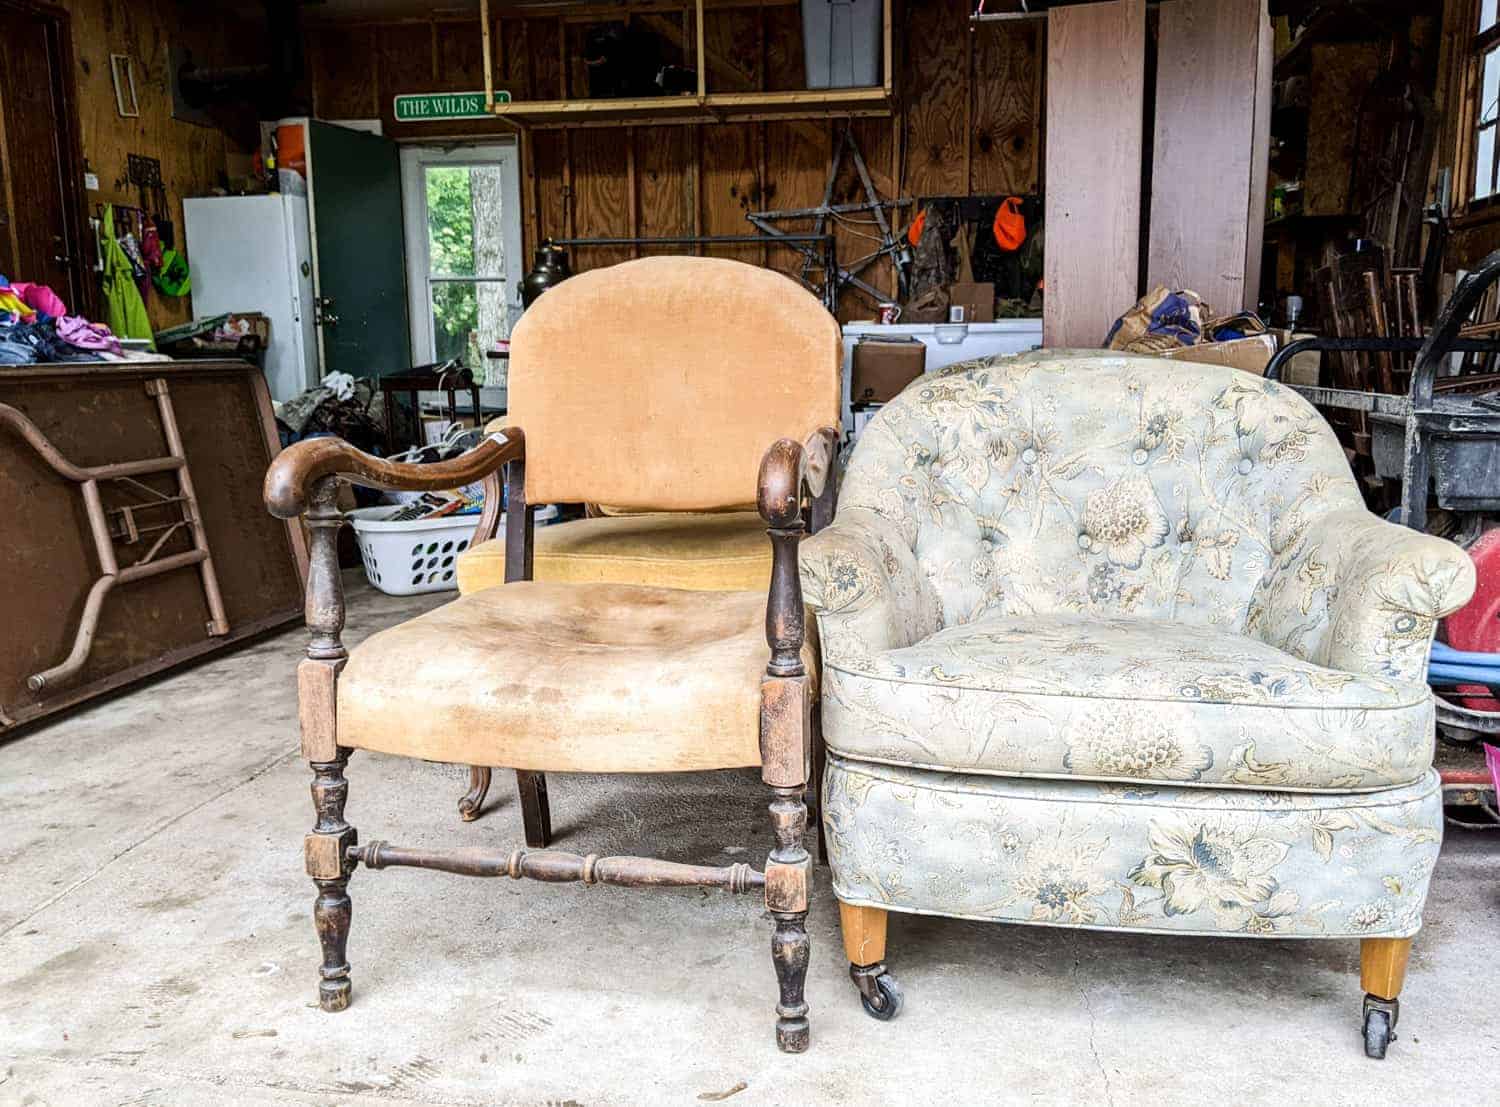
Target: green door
(360, 275)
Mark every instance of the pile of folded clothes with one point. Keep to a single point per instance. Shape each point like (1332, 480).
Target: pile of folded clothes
(35, 327)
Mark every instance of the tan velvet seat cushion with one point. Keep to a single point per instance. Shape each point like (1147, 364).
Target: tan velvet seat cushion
(567, 677)
(726, 552)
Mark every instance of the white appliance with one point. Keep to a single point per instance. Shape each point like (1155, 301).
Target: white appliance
(945, 342)
(254, 253)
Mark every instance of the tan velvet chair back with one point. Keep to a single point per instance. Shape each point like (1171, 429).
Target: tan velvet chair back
(659, 383)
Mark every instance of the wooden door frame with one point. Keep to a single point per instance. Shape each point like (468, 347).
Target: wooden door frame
(84, 299)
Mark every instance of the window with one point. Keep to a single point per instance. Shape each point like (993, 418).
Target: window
(1486, 59)
(463, 230)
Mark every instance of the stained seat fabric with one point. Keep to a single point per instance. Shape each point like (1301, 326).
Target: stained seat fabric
(566, 677)
(1134, 699)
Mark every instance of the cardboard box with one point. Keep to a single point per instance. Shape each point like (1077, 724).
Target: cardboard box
(977, 300)
(1306, 367)
(1250, 354)
(881, 367)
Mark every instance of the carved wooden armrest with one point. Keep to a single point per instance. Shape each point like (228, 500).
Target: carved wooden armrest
(297, 469)
(303, 480)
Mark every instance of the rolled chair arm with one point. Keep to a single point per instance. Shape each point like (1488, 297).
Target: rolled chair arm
(1359, 594)
(298, 468)
(862, 579)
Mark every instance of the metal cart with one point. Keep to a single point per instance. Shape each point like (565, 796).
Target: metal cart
(1442, 436)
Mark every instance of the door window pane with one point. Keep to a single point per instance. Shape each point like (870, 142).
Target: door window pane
(465, 228)
(1486, 14)
(468, 318)
(466, 239)
(450, 220)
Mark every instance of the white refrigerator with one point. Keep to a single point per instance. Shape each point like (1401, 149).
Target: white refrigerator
(254, 253)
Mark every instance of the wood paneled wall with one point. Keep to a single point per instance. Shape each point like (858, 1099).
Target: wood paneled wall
(192, 156)
(969, 120)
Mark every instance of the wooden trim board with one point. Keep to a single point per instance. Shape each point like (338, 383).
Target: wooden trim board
(1208, 173)
(1096, 89)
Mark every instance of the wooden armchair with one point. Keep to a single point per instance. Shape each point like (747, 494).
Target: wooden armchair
(656, 383)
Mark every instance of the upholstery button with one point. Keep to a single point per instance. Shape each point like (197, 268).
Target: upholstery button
(1186, 546)
(1084, 541)
(1246, 465)
(1028, 455)
(1139, 457)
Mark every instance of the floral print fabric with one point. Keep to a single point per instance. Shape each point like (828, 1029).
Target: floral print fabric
(1068, 853)
(1133, 699)
(1116, 485)
(1109, 566)
(1150, 589)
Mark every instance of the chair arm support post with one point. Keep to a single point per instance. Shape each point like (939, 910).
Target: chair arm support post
(791, 474)
(520, 523)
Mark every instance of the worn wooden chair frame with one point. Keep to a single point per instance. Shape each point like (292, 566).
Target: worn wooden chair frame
(796, 493)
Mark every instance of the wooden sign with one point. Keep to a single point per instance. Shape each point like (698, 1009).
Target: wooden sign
(427, 107)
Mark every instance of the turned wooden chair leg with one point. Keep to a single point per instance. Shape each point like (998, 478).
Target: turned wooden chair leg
(329, 866)
(471, 805)
(1382, 971)
(536, 813)
(864, 944)
(787, 878)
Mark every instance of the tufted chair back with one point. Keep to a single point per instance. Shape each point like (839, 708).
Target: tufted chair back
(1099, 483)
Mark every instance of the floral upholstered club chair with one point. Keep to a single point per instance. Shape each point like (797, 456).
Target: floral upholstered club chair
(677, 384)
(1112, 642)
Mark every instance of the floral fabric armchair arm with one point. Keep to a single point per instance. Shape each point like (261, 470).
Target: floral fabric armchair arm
(1359, 594)
(862, 579)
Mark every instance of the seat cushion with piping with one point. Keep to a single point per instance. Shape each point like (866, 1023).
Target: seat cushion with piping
(567, 677)
(1127, 699)
(721, 552)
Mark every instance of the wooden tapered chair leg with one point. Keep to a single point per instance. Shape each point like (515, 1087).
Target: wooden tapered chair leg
(471, 805)
(1382, 971)
(864, 931)
(536, 813)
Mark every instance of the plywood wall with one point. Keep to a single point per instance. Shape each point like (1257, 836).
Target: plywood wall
(1208, 183)
(970, 121)
(1095, 126)
(192, 156)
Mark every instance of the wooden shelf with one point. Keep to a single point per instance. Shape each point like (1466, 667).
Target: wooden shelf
(714, 107)
(702, 107)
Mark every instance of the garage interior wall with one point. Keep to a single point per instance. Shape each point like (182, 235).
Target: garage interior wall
(971, 120)
(193, 157)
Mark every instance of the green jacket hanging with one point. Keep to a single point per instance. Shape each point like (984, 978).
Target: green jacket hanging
(124, 310)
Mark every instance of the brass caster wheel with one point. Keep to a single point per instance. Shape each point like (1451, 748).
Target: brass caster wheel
(1380, 1025)
(879, 993)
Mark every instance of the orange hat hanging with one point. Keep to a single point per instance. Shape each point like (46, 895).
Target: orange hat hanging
(1010, 226)
(914, 232)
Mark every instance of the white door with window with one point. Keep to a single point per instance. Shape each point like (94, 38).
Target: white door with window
(463, 234)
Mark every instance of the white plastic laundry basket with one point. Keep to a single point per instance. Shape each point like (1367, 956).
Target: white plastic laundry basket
(403, 559)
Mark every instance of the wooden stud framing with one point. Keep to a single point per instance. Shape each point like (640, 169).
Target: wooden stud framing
(489, 66)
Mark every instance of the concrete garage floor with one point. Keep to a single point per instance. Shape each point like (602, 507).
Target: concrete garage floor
(156, 947)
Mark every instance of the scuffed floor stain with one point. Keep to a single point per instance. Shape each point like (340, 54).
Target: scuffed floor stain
(719, 1097)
